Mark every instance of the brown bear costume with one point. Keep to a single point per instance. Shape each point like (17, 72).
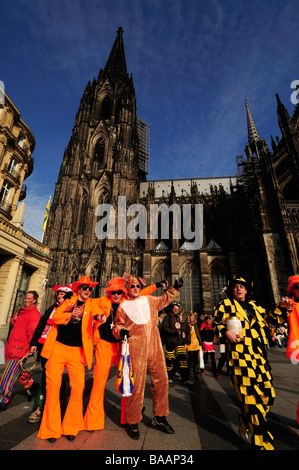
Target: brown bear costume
(137, 317)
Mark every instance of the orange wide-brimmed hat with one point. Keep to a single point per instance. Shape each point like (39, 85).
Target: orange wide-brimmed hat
(84, 280)
(116, 283)
(292, 281)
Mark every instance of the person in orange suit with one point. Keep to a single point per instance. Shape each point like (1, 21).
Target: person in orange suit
(69, 344)
(137, 318)
(108, 349)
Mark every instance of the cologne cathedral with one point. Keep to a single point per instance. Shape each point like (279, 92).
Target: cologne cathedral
(250, 220)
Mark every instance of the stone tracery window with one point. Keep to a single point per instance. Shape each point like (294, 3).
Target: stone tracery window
(218, 282)
(190, 292)
(106, 108)
(83, 213)
(99, 152)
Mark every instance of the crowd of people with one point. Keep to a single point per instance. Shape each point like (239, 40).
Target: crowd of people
(79, 331)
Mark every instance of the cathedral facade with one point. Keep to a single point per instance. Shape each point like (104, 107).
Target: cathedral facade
(248, 224)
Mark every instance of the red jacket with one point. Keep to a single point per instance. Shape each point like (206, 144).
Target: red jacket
(20, 336)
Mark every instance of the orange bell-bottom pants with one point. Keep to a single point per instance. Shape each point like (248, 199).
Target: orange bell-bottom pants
(73, 359)
(106, 355)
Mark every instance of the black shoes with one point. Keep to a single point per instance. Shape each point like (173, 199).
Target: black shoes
(133, 431)
(3, 406)
(51, 440)
(161, 423)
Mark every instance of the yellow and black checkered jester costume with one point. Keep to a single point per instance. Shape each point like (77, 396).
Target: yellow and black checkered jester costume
(249, 369)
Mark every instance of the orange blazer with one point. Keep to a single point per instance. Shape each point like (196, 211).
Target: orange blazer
(62, 317)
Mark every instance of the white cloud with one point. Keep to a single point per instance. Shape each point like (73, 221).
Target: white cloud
(35, 209)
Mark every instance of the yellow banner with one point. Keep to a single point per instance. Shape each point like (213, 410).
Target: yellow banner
(46, 215)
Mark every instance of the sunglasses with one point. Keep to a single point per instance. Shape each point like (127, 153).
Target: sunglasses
(296, 286)
(86, 288)
(135, 285)
(116, 292)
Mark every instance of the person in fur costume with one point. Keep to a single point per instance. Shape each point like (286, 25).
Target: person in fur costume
(108, 349)
(136, 319)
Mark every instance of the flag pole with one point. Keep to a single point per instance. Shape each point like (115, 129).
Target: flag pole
(46, 218)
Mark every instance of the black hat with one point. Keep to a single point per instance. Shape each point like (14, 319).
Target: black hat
(238, 280)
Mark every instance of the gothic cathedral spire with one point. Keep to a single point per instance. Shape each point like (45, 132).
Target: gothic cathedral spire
(116, 63)
(256, 145)
(253, 135)
(99, 164)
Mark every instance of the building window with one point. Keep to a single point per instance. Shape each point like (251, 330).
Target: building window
(83, 214)
(106, 109)
(218, 282)
(4, 194)
(12, 167)
(190, 292)
(21, 140)
(99, 152)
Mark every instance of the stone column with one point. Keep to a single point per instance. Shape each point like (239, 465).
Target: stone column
(10, 274)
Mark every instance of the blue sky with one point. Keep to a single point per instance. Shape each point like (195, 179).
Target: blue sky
(193, 62)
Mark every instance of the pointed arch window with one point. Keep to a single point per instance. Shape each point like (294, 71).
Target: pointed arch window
(106, 108)
(190, 292)
(99, 152)
(218, 282)
(83, 213)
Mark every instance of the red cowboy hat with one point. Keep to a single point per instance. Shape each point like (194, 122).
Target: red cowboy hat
(116, 283)
(84, 280)
(292, 281)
